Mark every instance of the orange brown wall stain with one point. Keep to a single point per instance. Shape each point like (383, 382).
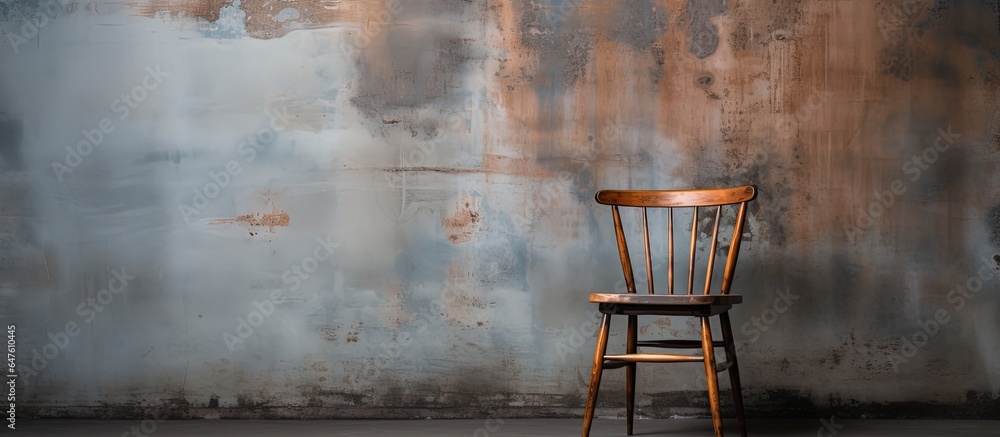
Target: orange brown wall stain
(204, 9)
(262, 16)
(269, 220)
(821, 67)
(462, 225)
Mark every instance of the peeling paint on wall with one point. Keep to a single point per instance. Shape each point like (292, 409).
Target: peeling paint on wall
(206, 10)
(258, 220)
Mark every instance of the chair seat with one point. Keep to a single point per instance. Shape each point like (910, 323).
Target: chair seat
(666, 299)
(633, 304)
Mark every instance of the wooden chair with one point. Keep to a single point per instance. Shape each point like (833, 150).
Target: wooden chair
(703, 306)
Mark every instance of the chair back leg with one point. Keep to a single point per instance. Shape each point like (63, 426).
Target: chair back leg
(734, 371)
(630, 373)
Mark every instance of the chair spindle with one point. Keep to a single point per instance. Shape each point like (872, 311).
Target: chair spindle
(649, 255)
(623, 251)
(694, 244)
(711, 253)
(670, 250)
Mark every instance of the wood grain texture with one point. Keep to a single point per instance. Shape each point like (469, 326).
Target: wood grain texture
(666, 299)
(677, 198)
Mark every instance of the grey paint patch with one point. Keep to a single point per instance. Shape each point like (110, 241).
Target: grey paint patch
(639, 23)
(418, 72)
(408, 67)
(11, 133)
(506, 251)
(703, 36)
(564, 44)
(897, 60)
(287, 14)
(935, 12)
(423, 261)
(18, 10)
(993, 226)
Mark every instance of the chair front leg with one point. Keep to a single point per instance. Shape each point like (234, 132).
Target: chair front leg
(630, 373)
(734, 371)
(595, 373)
(713, 381)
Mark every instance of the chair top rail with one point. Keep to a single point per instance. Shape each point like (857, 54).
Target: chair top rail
(677, 198)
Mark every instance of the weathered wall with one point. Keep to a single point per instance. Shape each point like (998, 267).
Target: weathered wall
(384, 208)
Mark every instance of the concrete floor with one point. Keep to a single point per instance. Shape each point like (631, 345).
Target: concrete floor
(495, 428)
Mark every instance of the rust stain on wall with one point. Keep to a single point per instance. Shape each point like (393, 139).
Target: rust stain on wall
(780, 93)
(267, 19)
(463, 224)
(530, 90)
(459, 305)
(264, 20)
(206, 9)
(271, 220)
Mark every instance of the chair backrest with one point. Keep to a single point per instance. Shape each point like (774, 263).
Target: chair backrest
(734, 197)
